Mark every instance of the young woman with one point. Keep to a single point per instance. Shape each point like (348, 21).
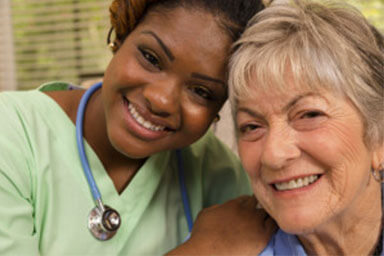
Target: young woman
(162, 89)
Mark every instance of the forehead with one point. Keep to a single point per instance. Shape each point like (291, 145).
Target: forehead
(283, 85)
(271, 99)
(190, 29)
(280, 98)
(258, 87)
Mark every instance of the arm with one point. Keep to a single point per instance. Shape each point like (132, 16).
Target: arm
(16, 220)
(233, 228)
(16, 206)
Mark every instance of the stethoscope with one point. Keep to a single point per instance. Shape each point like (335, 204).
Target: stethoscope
(104, 221)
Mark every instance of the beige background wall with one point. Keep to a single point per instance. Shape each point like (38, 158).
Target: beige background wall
(7, 62)
(224, 129)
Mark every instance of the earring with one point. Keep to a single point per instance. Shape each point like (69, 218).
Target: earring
(379, 173)
(111, 46)
(217, 118)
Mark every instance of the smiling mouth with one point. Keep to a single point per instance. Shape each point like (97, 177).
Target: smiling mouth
(142, 121)
(296, 183)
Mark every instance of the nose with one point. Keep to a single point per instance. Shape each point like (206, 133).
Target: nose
(280, 148)
(163, 97)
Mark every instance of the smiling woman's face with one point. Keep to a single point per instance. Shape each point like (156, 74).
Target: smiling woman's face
(166, 83)
(305, 155)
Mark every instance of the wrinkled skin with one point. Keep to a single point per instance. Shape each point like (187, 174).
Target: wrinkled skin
(292, 135)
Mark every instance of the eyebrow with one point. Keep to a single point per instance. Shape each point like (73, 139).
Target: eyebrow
(249, 112)
(285, 108)
(161, 43)
(208, 78)
(172, 58)
(297, 99)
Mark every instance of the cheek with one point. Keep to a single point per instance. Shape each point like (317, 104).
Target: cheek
(338, 144)
(125, 69)
(113, 71)
(197, 114)
(341, 151)
(195, 120)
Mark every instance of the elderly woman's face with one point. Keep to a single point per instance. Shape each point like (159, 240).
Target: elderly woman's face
(305, 155)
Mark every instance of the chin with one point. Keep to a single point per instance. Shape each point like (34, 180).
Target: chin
(298, 224)
(129, 151)
(296, 229)
(135, 153)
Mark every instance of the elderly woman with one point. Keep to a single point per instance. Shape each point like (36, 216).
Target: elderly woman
(307, 87)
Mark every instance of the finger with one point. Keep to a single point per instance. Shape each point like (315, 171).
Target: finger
(262, 213)
(238, 200)
(270, 224)
(214, 206)
(249, 202)
(259, 206)
(210, 208)
(242, 199)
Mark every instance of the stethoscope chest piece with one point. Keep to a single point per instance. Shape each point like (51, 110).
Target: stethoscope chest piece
(103, 223)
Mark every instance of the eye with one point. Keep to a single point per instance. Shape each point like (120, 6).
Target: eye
(150, 57)
(248, 128)
(311, 114)
(309, 120)
(251, 131)
(202, 92)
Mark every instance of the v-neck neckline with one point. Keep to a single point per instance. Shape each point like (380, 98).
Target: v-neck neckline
(142, 185)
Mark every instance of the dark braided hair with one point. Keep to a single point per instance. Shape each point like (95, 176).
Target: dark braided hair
(233, 15)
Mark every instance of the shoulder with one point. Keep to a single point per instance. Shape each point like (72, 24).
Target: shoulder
(37, 97)
(218, 169)
(27, 106)
(210, 146)
(66, 95)
(17, 107)
(27, 134)
(26, 117)
(17, 156)
(215, 156)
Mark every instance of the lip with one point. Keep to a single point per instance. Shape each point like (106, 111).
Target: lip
(140, 131)
(295, 191)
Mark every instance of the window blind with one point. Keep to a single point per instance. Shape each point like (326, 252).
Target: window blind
(61, 40)
(7, 64)
(45, 40)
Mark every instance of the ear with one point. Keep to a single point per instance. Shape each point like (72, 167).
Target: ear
(114, 46)
(118, 44)
(378, 157)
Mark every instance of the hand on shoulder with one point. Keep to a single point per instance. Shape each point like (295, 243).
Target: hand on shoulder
(236, 227)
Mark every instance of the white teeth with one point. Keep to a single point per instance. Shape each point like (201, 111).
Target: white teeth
(142, 121)
(298, 183)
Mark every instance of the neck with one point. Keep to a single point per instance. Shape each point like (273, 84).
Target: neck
(119, 167)
(356, 231)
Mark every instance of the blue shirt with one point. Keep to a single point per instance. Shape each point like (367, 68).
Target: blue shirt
(287, 244)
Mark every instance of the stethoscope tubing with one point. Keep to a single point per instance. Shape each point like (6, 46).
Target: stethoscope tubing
(183, 190)
(80, 141)
(88, 173)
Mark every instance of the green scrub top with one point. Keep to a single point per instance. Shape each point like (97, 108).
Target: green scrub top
(45, 198)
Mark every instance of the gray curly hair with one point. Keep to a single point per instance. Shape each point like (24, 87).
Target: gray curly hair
(327, 46)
